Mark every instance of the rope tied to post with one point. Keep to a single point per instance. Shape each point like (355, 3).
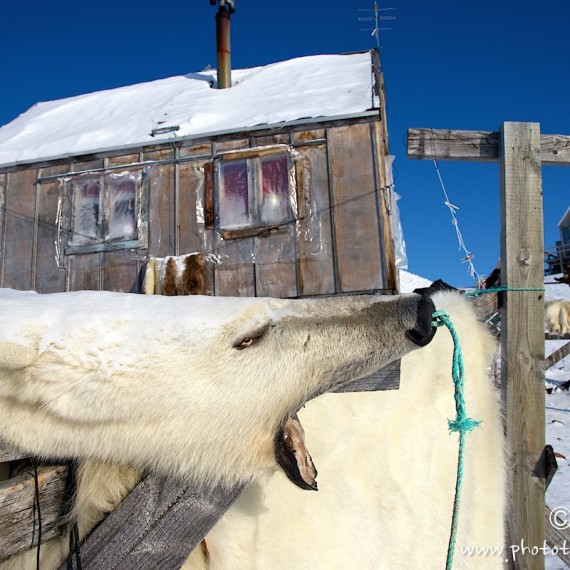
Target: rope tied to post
(501, 288)
(461, 424)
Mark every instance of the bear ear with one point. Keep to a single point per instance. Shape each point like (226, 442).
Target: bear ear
(435, 287)
(14, 356)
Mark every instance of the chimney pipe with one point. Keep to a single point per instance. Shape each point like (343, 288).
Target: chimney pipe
(223, 51)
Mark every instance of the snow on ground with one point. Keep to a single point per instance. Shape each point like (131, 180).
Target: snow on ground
(558, 423)
(557, 410)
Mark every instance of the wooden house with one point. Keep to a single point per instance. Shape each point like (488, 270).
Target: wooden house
(283, 181)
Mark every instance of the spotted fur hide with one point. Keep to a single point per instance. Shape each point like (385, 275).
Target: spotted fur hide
(175, 275)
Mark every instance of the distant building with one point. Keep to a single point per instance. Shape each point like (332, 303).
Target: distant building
(558, 259)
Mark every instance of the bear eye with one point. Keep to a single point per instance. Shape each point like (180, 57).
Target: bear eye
(244, 343)
(249, 337)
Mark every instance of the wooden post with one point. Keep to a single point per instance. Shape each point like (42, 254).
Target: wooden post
(521, 151)
(522, 338)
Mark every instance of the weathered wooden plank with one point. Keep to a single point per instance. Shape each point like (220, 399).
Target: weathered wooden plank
(522, 327)
(307, 137)
(446, 144)
(3, 214)
(555, 150)
(161, 234)
(257, 151)
(20, 228)
(9, 454)
(557, 356)
(196, 195)
(230, 144)
(235, 276)
(315, 247)
(48, 277)
(388, 378)
(84, 272)
(355, 213)
(120, 271)
(275, 264)
(272, 139)
(19, 530)
(557, 535)
(385, 206)
(478, 146)
(113, 161)
(156, 526)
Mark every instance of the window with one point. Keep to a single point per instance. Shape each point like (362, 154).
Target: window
(254, 191)
(103, 211)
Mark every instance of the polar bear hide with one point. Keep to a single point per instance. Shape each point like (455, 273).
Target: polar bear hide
(387, 468)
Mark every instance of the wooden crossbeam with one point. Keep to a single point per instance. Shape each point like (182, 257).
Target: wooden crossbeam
(478, 146)
(19, 528)
(134, 537)
(9, 454)
(557, 355)
(557, 534)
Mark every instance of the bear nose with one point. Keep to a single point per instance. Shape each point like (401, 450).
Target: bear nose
(424, 331)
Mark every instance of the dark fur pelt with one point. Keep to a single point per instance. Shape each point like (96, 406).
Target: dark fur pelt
(175, 275)
(435, 287)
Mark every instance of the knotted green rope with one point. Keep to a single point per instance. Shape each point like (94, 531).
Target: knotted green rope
(461, 424)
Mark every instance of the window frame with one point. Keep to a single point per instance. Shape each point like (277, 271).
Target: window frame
(68, 210)
(253, 159)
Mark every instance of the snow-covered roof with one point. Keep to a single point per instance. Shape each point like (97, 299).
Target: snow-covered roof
(323, 86)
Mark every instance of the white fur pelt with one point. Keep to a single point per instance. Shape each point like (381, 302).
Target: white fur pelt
(387, 472)
(557, 316)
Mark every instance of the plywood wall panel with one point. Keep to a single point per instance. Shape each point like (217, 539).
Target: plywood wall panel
(3, 184)
(315, 247)
(275, 264)
(84, 271)
(355, 210)
(161, 203)
(196, 150)
(87, 165)
(49, 278)
(282, 138)
(191, 216)
(120, 271)
(309, 135)
(55, 170)
(123, 159)
(235, 276)
(20, 227)
(224, 146)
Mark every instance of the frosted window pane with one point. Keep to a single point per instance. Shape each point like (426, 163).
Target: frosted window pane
(234, 195)
(122, 204)
(275, 190)
(86, 223)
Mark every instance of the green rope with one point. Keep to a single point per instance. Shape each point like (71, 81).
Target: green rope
(478, 292)
(461, 424)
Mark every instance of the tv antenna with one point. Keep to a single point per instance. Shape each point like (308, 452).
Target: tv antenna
(376, 18)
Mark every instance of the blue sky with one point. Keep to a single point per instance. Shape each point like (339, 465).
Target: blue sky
(455, 65)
